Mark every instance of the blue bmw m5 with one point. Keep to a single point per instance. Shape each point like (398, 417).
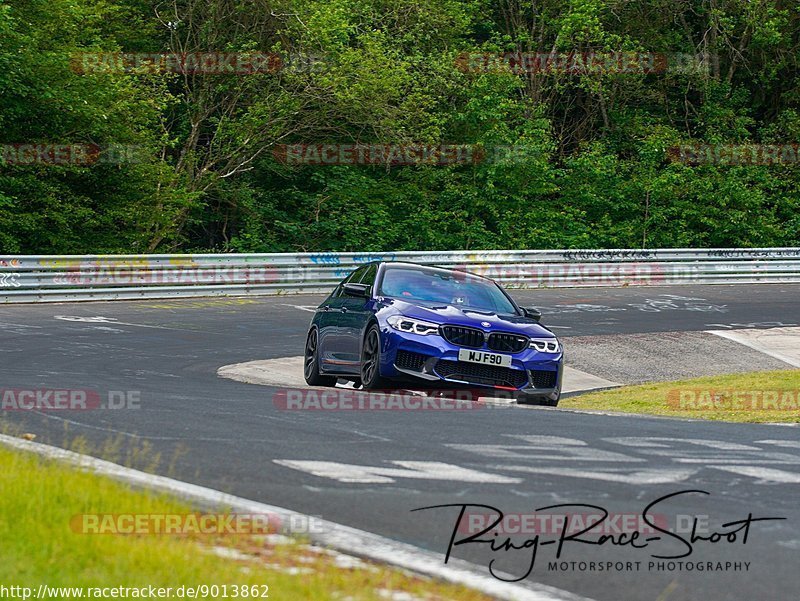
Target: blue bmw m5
(391, 325)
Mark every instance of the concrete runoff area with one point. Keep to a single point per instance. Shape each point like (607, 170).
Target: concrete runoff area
(288, 372)
(781, 343)
(665, 356)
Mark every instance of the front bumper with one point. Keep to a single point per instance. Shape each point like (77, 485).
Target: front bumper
(432, 360)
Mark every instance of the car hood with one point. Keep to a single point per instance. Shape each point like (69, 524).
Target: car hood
(454, 315)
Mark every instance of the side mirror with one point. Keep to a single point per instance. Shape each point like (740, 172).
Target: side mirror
(532, 313)
(357, 290)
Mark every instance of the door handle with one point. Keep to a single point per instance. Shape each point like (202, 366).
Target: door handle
(344, 309)
(325, 308)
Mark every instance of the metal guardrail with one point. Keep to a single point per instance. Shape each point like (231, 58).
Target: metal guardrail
(50, 278)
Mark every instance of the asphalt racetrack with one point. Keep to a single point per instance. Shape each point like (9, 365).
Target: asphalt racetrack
(370, 469)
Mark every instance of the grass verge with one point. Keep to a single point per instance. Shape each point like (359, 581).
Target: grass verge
(752, 397)
(40, 544)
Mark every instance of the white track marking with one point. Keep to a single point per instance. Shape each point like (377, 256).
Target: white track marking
(80, 318)
(108, 320)
(752, 324)
(710, 453)
(330, 534)
(307, 308)
(720, 459)
(658, 442)
(647, 476)
(790, 444)
(546, 449)
(762, 474)
(547, 455)
(419, 470)
(540, 439)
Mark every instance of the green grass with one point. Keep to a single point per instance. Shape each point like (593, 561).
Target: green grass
(38, 545)
(694, 398)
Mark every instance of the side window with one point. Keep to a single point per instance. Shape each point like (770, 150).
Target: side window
(353, 277)
(369, 275)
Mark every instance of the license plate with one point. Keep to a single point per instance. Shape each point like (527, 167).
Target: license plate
(485, 358)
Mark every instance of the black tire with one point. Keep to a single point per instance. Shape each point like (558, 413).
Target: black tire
(525, 398)
(311, 363)
(371, 361)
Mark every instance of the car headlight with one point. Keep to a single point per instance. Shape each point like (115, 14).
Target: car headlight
(546, 345)
(412, 326)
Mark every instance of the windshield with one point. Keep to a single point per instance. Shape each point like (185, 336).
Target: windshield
(439, 286)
